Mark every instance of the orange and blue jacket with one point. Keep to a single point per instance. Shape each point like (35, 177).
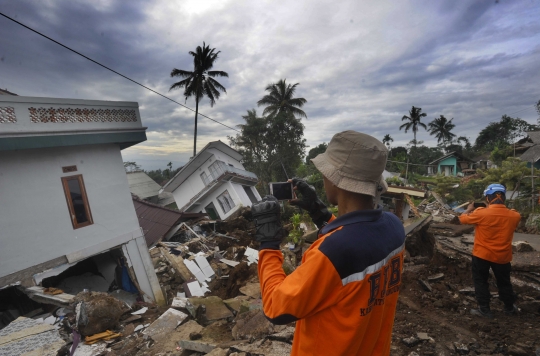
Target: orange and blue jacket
(343, 296)
(494, 231)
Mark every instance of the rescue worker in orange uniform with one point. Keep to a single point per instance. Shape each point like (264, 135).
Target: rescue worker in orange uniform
(343, 296)
(494, 231)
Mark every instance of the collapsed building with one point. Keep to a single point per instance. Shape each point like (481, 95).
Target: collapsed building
(67, 216)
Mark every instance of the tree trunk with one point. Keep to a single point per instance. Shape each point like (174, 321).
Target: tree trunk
(195, 136)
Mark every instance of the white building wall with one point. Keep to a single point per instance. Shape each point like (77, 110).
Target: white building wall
(34, 217)
(212, 198)
(194, 184)
(242, 195)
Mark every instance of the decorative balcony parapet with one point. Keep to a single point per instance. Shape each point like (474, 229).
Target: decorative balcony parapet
(33, 123)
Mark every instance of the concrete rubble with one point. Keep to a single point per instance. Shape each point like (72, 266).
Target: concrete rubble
(214, 304)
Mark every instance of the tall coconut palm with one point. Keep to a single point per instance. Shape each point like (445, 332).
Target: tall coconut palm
(199, 82)
(441, 127)
(415, 115)
(387, 139)
(280, 99)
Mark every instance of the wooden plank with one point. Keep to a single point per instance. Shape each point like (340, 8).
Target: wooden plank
(177, 263)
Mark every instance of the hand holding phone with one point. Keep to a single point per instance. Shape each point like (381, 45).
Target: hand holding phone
(282, 190)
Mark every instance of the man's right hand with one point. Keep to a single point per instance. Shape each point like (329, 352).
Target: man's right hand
(310, 202)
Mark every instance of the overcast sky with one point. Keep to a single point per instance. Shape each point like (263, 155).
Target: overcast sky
(361, 65)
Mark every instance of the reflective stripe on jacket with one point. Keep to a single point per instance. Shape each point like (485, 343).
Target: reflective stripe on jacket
(344, 294)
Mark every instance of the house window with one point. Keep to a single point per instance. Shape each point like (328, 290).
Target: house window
(205, 179)
(216, 169)
(77, 201)
(225, 201)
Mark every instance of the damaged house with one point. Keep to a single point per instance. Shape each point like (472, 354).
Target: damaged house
(214, 182)
(66, 212)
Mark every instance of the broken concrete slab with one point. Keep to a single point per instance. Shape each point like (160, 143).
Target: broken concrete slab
(214, 307)
(196, 271)
(188, 328)
(178, 302)
(254, 325)
(205, 266)
(198, 346)
(160, 329)
(217, 352)
(522, 246)
(251, 289)
(36, 293)
(238, 305)
(252, 255)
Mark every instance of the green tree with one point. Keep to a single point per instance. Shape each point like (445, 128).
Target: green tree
(311, 174)
(502, 133)
(509, 173)
(280, 100)
(315, 151)
(131, 166)
(270, 145)
(414, 121)
(200, 82)
(441, 128)
(452, 190)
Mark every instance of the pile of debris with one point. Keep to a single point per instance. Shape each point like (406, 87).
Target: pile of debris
(213, 302)
(213, 299)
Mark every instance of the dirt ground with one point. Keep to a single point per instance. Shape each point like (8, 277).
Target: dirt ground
(431, 319)
(444, 314)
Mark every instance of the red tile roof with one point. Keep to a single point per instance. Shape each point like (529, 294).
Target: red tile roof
(156, 221)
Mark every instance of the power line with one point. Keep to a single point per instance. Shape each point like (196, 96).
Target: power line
(413, 164)
(112, 70)
(527, 108)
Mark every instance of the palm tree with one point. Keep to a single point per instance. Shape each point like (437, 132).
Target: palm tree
(441, 127)
(199, 82)
(280, 100)
(387, 139)
(415, 115)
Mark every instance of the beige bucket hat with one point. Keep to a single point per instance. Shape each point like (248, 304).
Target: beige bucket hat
(354, 162)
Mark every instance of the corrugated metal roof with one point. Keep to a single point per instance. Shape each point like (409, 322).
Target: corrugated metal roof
(532, 154)
(534, 136)
(142, 185)
(157, 221)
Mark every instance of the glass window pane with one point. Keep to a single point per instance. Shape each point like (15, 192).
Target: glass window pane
(77, 201)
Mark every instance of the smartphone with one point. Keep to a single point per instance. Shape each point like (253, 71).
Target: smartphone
(479, 204)
(282, 190)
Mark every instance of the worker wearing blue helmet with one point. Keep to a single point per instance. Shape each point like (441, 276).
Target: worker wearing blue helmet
(494, 231)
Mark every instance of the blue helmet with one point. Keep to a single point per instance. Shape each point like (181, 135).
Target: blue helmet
(494, 188)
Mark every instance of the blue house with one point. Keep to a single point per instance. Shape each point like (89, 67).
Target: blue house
(451, 164)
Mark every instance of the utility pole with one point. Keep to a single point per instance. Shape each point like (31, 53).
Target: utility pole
(532, 186)
(407, 169)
